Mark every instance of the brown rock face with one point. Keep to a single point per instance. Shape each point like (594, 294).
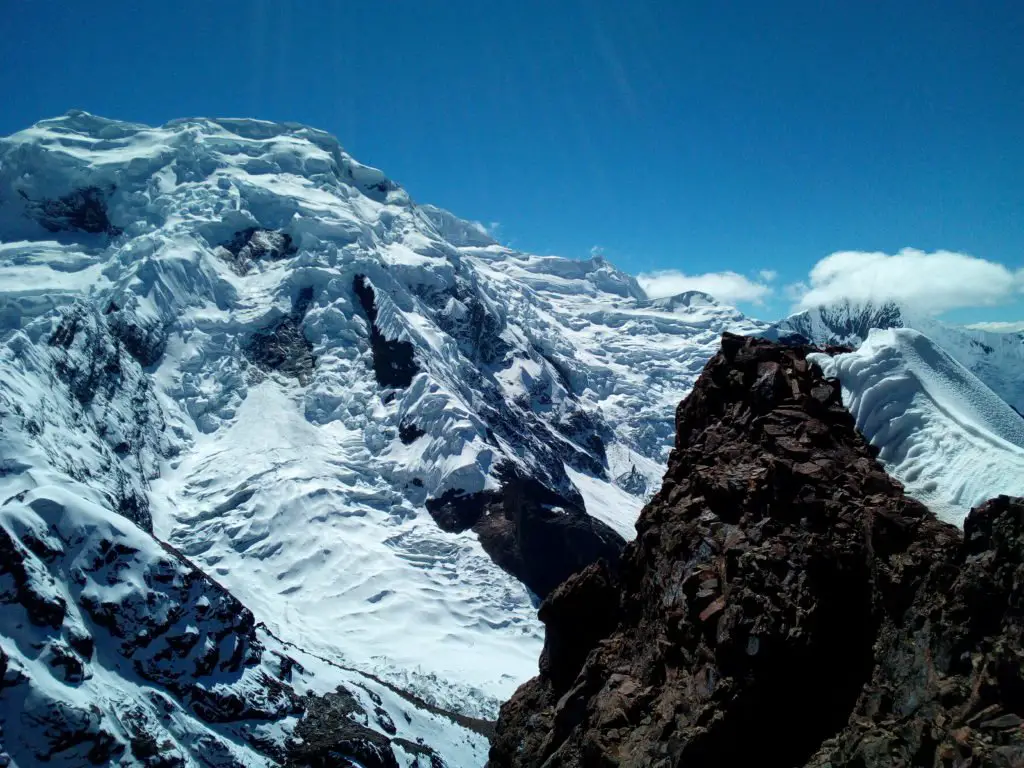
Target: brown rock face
(534, 533)
(784, 604)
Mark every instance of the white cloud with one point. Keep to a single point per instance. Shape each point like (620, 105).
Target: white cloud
(998, 326)
(728, 287)
(795, 291)
(596, 250)
(491, 229)
(931, 282)
(768, 275)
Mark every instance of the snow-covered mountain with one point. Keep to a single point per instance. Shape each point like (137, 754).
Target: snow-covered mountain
(118, 651)
(952, 442)
(286, 459)
(363, 418)
(996, 358)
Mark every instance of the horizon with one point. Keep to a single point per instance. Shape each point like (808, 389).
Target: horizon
(767, 158)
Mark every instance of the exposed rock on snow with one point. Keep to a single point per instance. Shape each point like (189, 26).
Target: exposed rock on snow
(144, 338)
(330, 733)
(537, 535)
(394, 360)
(82, 210)
(253, 245)
(74, 404)
(282, 346)
(117, 650)
(784, 604)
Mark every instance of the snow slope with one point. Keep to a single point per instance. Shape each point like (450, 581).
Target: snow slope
(240, 339)
(952, 442)
(994, 357)
(116, 651)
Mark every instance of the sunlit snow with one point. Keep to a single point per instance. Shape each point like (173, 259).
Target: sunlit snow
(297, 494)
(940, 430)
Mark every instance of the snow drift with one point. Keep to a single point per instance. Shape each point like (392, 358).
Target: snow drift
(951, 440)
(995, 358)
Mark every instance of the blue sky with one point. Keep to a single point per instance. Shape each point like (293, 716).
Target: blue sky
(742, 137)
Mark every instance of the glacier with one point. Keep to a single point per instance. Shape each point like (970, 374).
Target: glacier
(228, 340)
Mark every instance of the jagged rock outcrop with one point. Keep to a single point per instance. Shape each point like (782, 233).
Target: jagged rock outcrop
(394, 360)
(144, 338)
(81, 210)
(784, 604)
(252, 245)
(96, 421)
(534, 533)
(330, 734)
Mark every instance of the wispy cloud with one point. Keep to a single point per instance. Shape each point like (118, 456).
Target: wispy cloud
(728, 287)
(998, 327)
(930, 282)
(491, 229)
(596, 250)
(768, 275)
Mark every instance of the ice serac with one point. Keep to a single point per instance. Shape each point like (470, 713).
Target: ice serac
(235, 337)
(784, 603)
(951, 441)
(995, 358)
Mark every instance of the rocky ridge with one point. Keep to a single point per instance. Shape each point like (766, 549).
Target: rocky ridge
(784, 604)
(534, 533)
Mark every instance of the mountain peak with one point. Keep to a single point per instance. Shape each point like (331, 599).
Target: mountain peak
(843, 322)
(352, 411)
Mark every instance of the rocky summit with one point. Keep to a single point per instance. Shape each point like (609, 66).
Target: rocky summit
(784, 604)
